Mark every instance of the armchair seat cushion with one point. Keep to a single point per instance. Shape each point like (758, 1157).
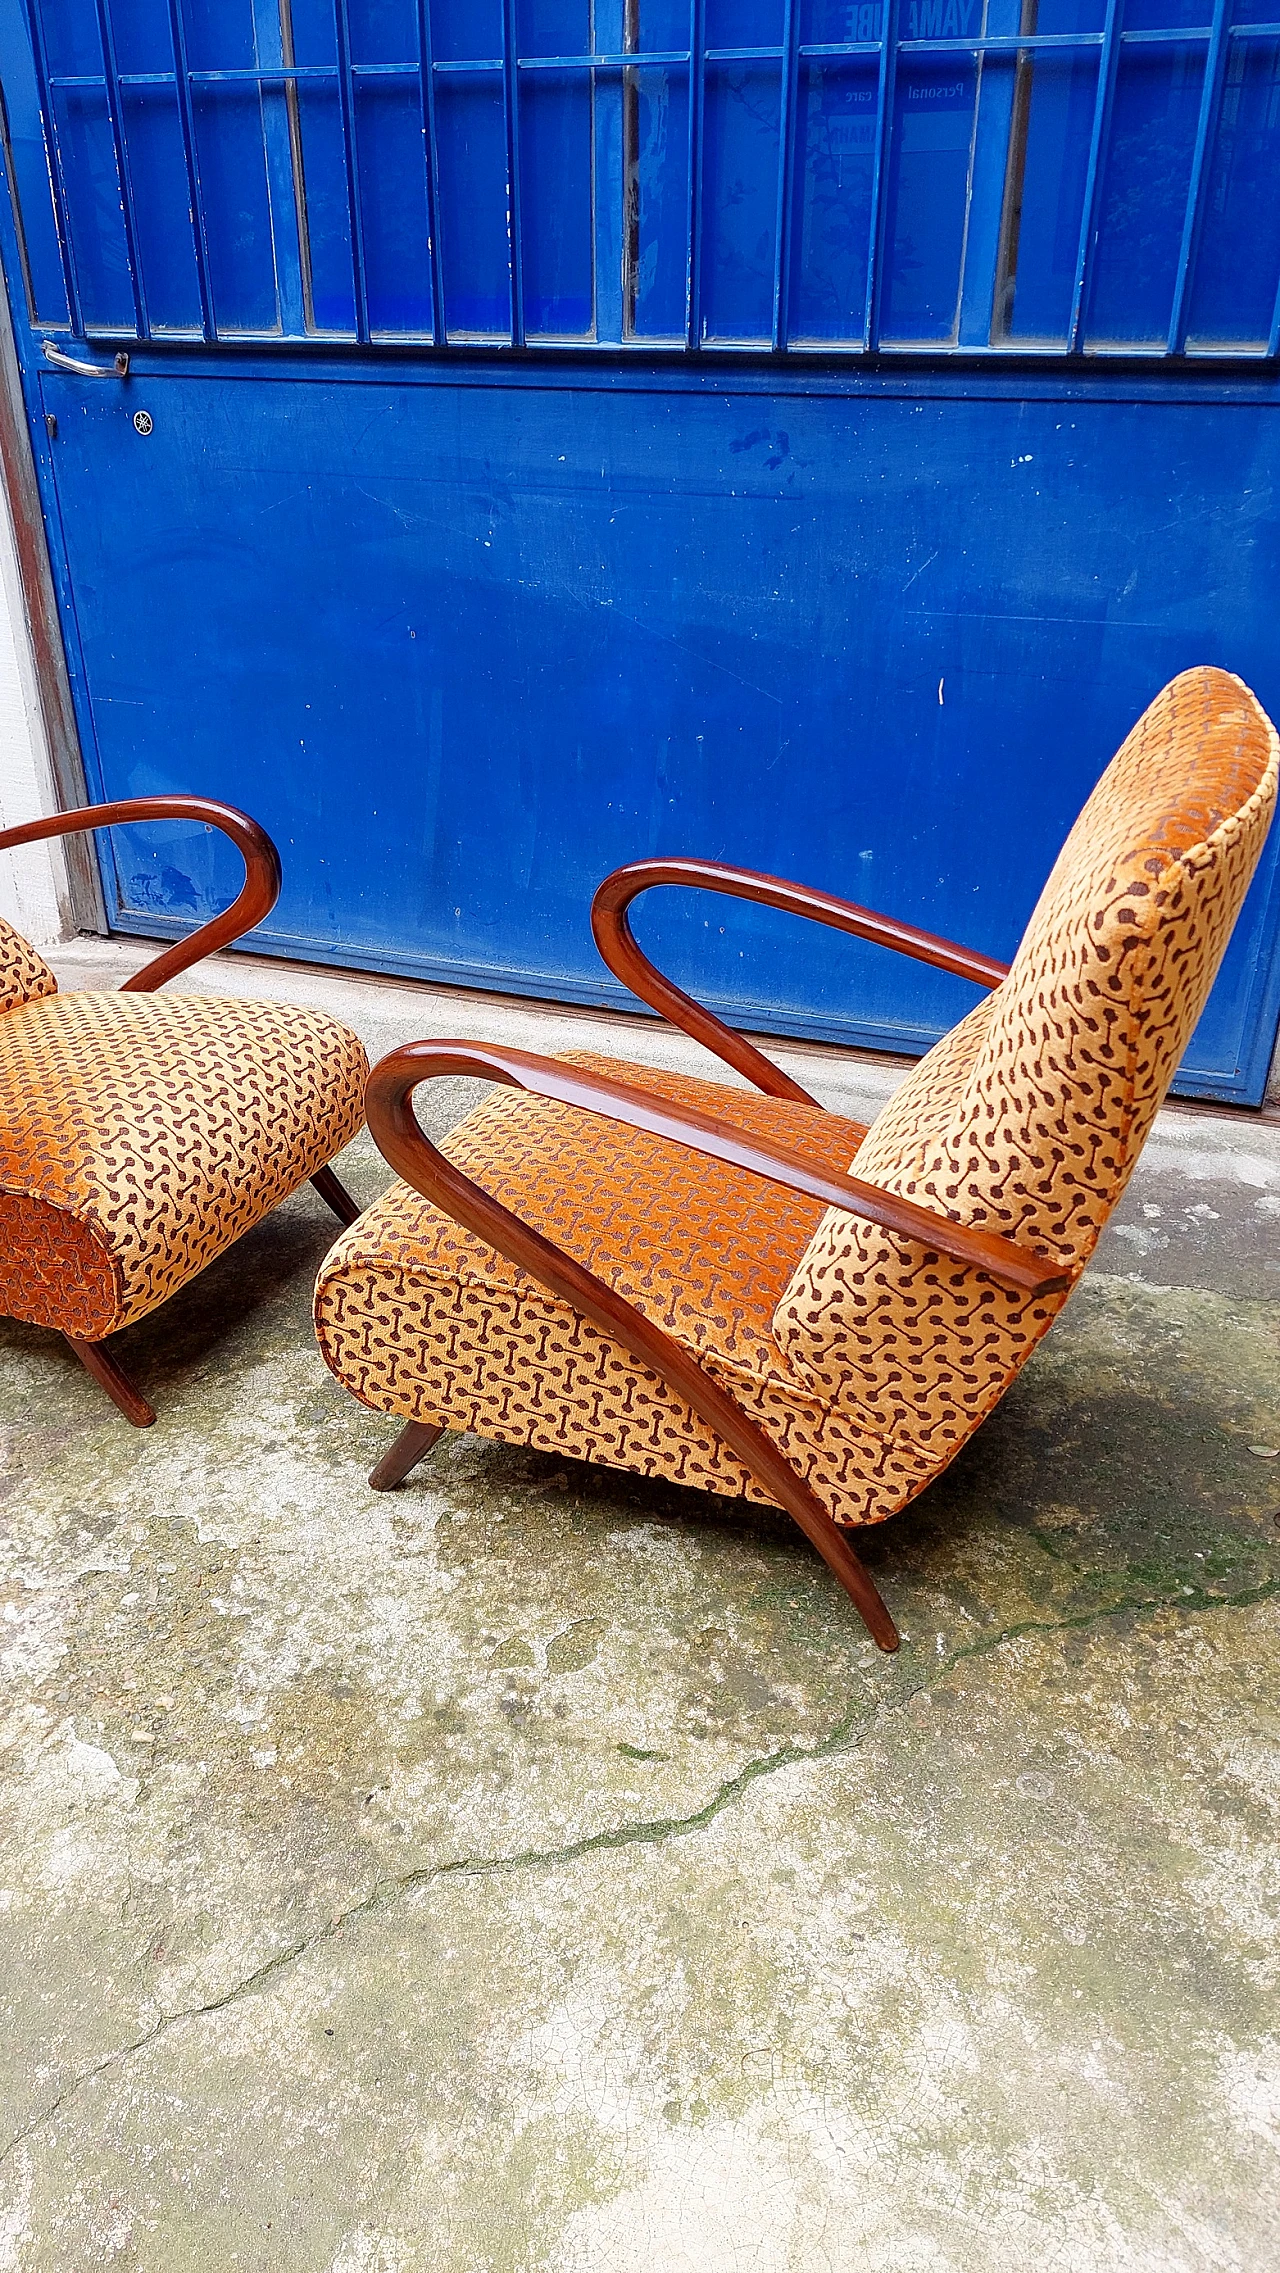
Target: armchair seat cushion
(141, 1134)
(420, 1318)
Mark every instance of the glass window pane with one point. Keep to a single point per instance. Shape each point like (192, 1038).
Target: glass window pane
(94, 217)
(140, 30)
(739, 199)
(33, 201)
(931, 157)
(1061, 16)
(823, 22)
(71, 42)
(466, 31)
(380, 31)
(328, 217)
(312, 30)
(220, 34)
(556, 236)
(475, 257)
(743, 23)
(940, 19)
(553, 27)
(1144, 190)
(831, 212)
(1238, 269)
(1166, 15)
(661, 224)
(663, 26)
(152, 133)
(233, 180)
(395, 233)
(1044, 215)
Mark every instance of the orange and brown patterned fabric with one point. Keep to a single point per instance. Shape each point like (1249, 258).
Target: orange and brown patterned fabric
(141, 1134)
(866, 1357)
(24, 974)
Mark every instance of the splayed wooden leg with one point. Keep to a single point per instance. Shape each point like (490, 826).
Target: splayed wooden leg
(336, 1196)
(414, 1439)
(833, 1546)
(96, 1359)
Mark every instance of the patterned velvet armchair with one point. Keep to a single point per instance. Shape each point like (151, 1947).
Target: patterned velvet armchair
(690, 1281)
(140, 1135)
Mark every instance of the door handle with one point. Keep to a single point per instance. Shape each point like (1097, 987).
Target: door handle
(117, 369)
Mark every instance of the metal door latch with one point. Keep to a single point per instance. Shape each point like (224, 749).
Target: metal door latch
(118, 368)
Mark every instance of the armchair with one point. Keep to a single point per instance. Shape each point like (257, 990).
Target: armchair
(140, 1137)
(680, 1278)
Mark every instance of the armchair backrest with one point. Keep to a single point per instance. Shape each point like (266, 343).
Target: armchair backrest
(24, 975)
(1028, 1117)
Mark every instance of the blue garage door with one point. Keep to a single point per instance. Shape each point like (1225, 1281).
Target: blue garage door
(553, 432)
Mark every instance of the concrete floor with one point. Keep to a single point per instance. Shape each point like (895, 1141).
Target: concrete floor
(539, 1872)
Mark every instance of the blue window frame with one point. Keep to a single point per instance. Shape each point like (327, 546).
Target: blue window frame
(1023, 177)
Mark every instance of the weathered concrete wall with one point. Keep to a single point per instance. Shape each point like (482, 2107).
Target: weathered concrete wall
(33, 883)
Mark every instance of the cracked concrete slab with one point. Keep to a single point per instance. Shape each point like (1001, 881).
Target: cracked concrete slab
(539, 1871)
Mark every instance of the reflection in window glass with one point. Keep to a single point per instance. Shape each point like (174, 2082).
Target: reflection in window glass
(822, 21)
(1048, 163)
(658, 211)
(553, 27)
(743, 23)
(1238, 270)
(556, 237)
(663, 26)
(1062, 16)
(393, 207)
(475, 256)
(1144, 191)
(379, 31)
(740, 199)
(466, 31)
(835, 157)
(929, 187)
(1166, 15)
(162, 232)
(93, 200)
(983, 185)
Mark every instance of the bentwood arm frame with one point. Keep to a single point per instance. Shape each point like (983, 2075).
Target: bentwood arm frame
(255, 900)
(396, 1130)
(257, 896)
(611, 927)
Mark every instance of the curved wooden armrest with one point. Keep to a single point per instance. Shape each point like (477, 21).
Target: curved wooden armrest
(611, 929)
(398, 1136)
(257, 897)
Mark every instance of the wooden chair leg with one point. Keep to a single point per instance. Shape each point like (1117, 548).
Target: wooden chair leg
(336, 1196)
(840, 1559)
(414, 1439)
(96, 1359)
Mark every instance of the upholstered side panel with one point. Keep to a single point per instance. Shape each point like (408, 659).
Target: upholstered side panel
(24, 975)
(170, 1123)
(471, 1349)
(55, 1270)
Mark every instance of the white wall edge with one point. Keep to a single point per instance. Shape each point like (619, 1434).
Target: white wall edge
(35, 892)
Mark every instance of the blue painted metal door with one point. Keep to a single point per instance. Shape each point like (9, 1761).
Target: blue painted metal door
(554, 435)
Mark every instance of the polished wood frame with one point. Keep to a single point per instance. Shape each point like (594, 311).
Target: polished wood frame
(257, 896)
(255, 900)
(399, 1137)
(611, 930)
